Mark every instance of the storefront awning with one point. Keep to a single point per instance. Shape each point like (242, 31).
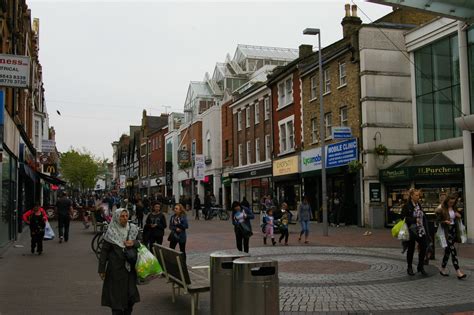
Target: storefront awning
(51, 179)
(427, 166)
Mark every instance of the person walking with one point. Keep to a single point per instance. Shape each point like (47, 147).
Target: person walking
(119, 290)
(268, 222)
(65, 212)
(448, 218)
(197, 206)
(178, 226)
(417, 225)
(304, 215)
(241, 217)
(139, 212)
(245, 202)
(36, 218)
(155, 226)
(284, 220)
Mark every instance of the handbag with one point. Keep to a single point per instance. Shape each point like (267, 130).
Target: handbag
(173, 237)
(130, 253)
(245, 229)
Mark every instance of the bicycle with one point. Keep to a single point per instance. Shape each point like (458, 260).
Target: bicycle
(98, 239)
(216, 211)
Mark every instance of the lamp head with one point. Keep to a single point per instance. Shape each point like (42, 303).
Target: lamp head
(311, 31)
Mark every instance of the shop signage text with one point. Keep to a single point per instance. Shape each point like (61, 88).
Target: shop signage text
(48, 146)
(169, 173)
(14, 71)
(341, 132)
(337, 154)
(199, 164)
(122, 179)
(374, 191)
(285, 166)
(426, 172)
(437, 171)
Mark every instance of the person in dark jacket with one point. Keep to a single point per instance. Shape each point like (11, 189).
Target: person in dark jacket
(242, 215)
(178, 227)
(119, 291)
(417, 225)
(197, 206)
(245, 203)
(139, 212)
(448, 218)
(155, 226)
(36, 219)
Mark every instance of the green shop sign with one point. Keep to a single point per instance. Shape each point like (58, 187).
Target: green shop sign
(394, 175)
(425, 172)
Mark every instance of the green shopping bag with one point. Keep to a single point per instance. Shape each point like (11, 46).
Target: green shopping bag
(396, 228)
(147, 265)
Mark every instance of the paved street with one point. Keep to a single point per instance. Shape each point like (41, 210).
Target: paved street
(345, 272)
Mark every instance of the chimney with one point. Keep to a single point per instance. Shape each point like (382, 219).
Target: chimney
(350, 23)
(305, 50)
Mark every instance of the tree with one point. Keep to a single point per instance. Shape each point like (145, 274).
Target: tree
(80, 169)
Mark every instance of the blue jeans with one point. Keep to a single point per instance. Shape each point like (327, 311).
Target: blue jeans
(304, 228)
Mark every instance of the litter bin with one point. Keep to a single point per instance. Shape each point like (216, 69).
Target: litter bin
(255, 286)
(221, 280)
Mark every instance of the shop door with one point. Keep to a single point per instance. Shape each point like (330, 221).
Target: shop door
(256, 199)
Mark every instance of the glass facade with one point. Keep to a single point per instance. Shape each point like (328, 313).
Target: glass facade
(438, 99)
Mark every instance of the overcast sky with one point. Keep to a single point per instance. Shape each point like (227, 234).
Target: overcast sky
(104, 62)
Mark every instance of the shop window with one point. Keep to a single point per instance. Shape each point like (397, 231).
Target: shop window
(437, 90)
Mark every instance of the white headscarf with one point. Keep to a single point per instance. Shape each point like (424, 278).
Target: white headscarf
(116, 233)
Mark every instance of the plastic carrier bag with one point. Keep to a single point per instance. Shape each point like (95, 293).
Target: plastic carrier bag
(48, 232)
(147, 265)
(396, 228)
(404, 234)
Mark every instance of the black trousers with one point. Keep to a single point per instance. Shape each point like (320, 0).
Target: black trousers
(182, 247)
(155, 239)
(37, 242)
(241, 240)
(127, 311)
(450, 250)
(284, 234)
(63, 221)
(422, 241)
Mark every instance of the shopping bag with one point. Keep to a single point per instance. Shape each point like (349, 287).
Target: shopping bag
(462, 231)
(147, 265)
(48, 232)
(404, 234)
(441, 237)
(396, 228)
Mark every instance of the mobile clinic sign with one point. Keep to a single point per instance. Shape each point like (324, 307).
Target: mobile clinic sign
(14, 71)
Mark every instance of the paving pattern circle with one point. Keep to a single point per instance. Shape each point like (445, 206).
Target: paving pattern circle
(345, 279)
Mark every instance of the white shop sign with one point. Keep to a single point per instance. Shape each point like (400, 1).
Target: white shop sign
(14, 71)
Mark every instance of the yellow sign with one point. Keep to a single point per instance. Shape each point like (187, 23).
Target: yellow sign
(286, 166)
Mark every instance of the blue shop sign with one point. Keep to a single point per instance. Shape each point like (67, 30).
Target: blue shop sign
(341, 153)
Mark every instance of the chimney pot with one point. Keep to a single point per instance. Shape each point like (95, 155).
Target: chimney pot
(354, 10)
(348, 9)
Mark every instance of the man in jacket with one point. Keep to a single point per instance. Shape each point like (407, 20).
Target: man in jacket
(65, 212)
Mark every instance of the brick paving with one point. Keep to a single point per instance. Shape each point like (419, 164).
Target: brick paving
(370, 277)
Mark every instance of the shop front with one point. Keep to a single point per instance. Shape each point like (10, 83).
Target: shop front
(254, 185)
(287, 181)
(435, 183)
(28, 182)
(9, 167)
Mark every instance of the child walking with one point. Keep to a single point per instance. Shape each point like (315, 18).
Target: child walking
(269, 227)
(36, 219)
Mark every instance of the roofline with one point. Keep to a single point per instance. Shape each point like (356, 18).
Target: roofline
(248, 95)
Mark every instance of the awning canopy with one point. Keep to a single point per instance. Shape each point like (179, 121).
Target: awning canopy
(426, 166)
(51, 179)
(456, 9)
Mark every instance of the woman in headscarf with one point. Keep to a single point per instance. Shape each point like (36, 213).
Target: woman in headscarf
(119, 291)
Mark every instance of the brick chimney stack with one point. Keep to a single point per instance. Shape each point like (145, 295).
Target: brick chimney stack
(351, 22)
(305, 50)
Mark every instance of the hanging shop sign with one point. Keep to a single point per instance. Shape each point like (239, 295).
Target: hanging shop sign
(286, 166)
(14, 71)
(199, 165)
(183, 157)
(50, 168)
(122, 181)
(48, 146)
(169, 173)
(337, 154)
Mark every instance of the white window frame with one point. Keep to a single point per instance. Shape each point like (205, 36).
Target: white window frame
(239, 120)
(285, 93)
(288, 141)
(314, 88)
(268, 148)
(327, 81)
(37, 133)
(342, 74)
(257, 150)
(314, 130)
(257, 112)
(240, 154)
(266, 106)
(249, 152)
(247, 117)
(344, 120)
(328, 123)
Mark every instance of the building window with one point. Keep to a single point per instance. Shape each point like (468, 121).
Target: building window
(159, 143)
(327, 81)
(438, 96)
(328, 123)
(257, 150)
(285, 93)
(287, 138)
(240, 154)
(249, 152)
(266, 105)
(247, 117)
(314, 88)
(344, 117)
(239, 120)
(268, 147)
(314, 130)
(342, 74)
(37, 133)
(257, 113)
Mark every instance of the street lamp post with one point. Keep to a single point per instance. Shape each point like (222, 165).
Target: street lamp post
(322, 134)
(190, 111)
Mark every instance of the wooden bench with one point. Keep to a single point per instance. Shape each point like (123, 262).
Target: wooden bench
(179, 275)
(96, 225)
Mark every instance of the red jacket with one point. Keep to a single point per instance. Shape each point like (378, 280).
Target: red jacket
(27, 214)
